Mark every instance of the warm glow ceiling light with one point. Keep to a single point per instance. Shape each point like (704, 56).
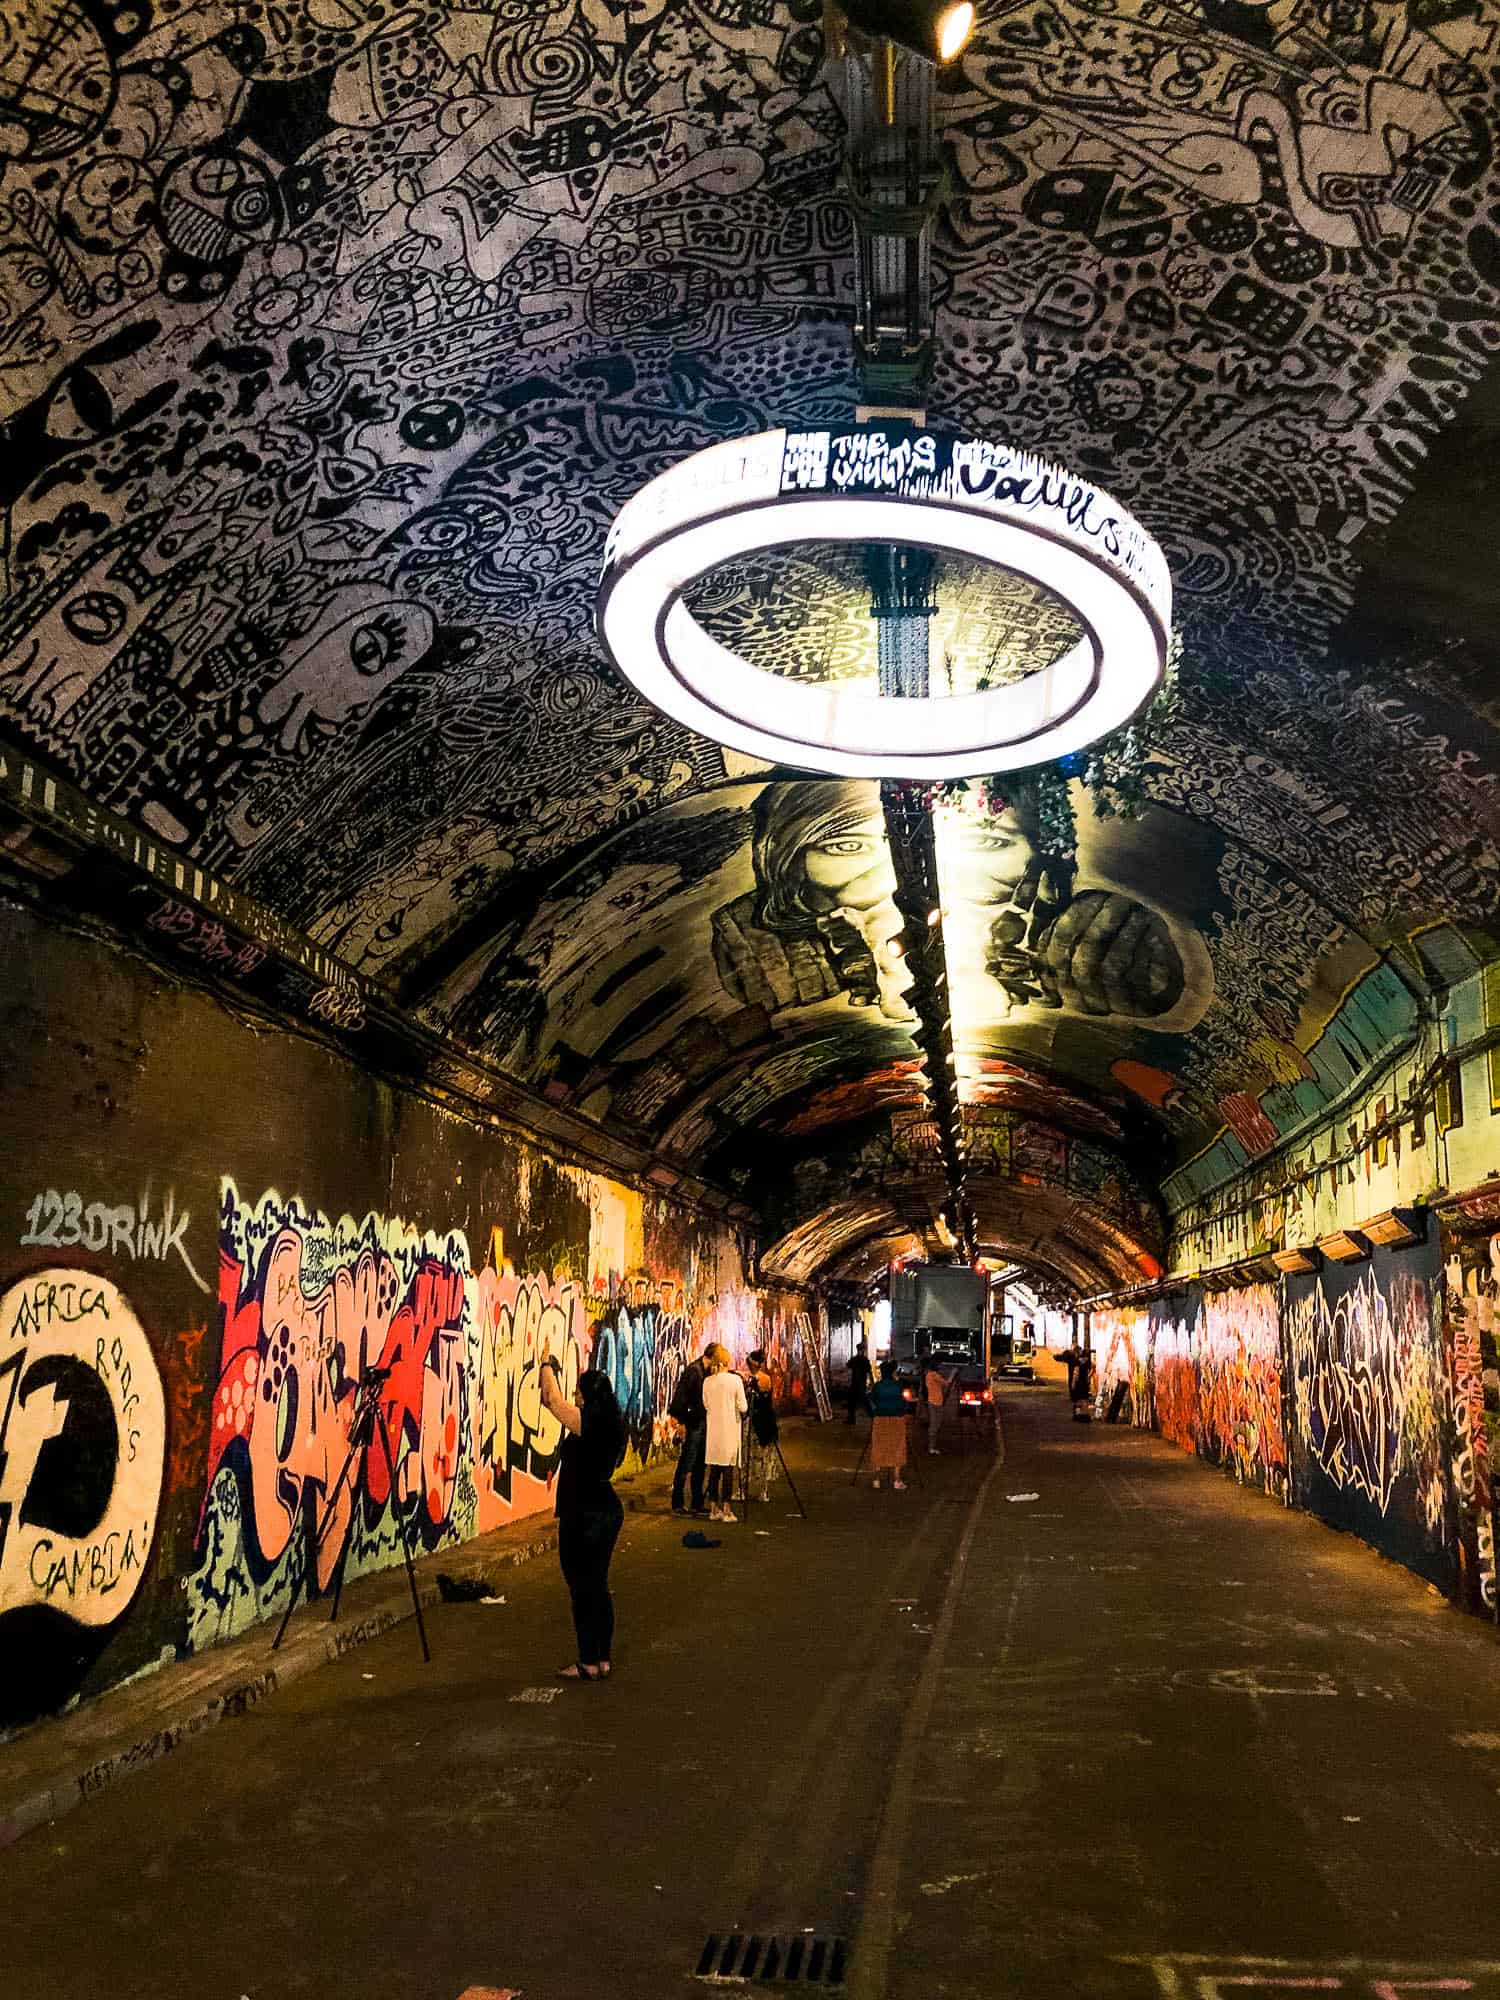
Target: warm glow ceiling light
(966, 497)
(931, 28)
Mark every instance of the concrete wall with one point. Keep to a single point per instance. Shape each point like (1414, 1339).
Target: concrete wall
(205, 1230)
(1365, 1393)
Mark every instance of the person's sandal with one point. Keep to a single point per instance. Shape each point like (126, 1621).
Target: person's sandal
(579, 1672)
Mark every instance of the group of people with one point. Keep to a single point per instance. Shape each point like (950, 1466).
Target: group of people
(884, 1401)
(724, 1414)
(726, 1417)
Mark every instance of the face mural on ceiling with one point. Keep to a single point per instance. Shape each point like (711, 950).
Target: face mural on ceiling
(1027, 935)
(762, 917)
(333, 336)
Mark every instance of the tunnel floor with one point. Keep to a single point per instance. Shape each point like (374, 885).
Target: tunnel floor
(1143, 1734)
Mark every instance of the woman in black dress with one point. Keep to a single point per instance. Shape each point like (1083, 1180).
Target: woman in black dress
(589, 1514)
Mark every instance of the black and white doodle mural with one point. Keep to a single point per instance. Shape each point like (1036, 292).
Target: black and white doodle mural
(333, 334)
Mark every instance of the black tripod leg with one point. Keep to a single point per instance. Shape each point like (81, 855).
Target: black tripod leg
(411, 1574)
(795, 1494)
(315, 1543)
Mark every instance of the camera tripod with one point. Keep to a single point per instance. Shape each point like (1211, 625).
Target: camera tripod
(367, 1423)
(774, 1445)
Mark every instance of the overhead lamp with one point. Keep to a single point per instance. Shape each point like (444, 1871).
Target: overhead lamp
(980, 498)
(1296, 1260)
(1344, 1246)
(933, 29)
(1397, 1228)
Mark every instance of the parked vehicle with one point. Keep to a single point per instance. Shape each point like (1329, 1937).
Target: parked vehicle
(938, 1313)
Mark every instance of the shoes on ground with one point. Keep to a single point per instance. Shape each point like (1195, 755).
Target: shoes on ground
(933, 1452)
(874, 1485)
(729, 1516)
(900, 1485)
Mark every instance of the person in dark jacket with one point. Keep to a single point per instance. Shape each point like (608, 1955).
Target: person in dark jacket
(860, 1373)
(589, 1514)
(686, 1408)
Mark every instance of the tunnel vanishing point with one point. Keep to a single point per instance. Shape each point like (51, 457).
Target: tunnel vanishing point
(664, 666)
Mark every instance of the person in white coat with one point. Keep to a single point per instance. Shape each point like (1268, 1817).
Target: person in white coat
(724, 1404)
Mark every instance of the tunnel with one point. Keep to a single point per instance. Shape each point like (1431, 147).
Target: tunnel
(678, 678)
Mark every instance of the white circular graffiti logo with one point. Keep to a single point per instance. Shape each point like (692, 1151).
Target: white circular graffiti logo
(82, 1446)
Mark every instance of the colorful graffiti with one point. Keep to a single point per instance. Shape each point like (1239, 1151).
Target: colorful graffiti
(1122, 1347)
(1373, 1408)
(515, 1438)
(642, 1344)
(305, 1307)
(1239, 1386)
(1174, 1380)
(1471, 1292)
(82, 1446)
(1366, 1385)
(307, 1304)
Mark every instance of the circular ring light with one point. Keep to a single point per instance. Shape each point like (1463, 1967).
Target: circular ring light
(966, 497)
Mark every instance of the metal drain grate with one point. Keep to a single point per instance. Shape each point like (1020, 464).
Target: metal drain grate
(773, 1961)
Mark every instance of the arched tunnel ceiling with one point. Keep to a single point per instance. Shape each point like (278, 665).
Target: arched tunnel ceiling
(332, 336)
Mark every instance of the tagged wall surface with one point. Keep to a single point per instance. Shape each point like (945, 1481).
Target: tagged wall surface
(1366, 1393)
(206, 1235)
(1370, 1397)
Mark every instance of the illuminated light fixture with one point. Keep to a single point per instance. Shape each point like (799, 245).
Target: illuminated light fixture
(967, 497)
(896, 948)
(1294, 1263)
(1344, 1246)
(1395, 1229)
(937, 31)
(934, 916)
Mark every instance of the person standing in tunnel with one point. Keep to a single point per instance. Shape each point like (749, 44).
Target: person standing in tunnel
(589, 1514)
(888, 1431)
(724, 1400)
(860, 1372)
(936, 1385)
(686, 1408)
(762, 1430)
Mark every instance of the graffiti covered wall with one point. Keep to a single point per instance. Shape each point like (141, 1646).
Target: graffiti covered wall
(1370, 1402)
(179, 1359)
(1122, 1360)
(1359, 1392)
(1239, 1386)
(1471, 1302)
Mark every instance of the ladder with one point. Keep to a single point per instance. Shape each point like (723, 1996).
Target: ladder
(813, 1357)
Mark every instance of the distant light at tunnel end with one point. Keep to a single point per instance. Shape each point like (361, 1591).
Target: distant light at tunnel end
(976, 498)
(955, 25)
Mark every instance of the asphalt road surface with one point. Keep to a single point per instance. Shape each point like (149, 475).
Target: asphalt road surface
(1141, 1735)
